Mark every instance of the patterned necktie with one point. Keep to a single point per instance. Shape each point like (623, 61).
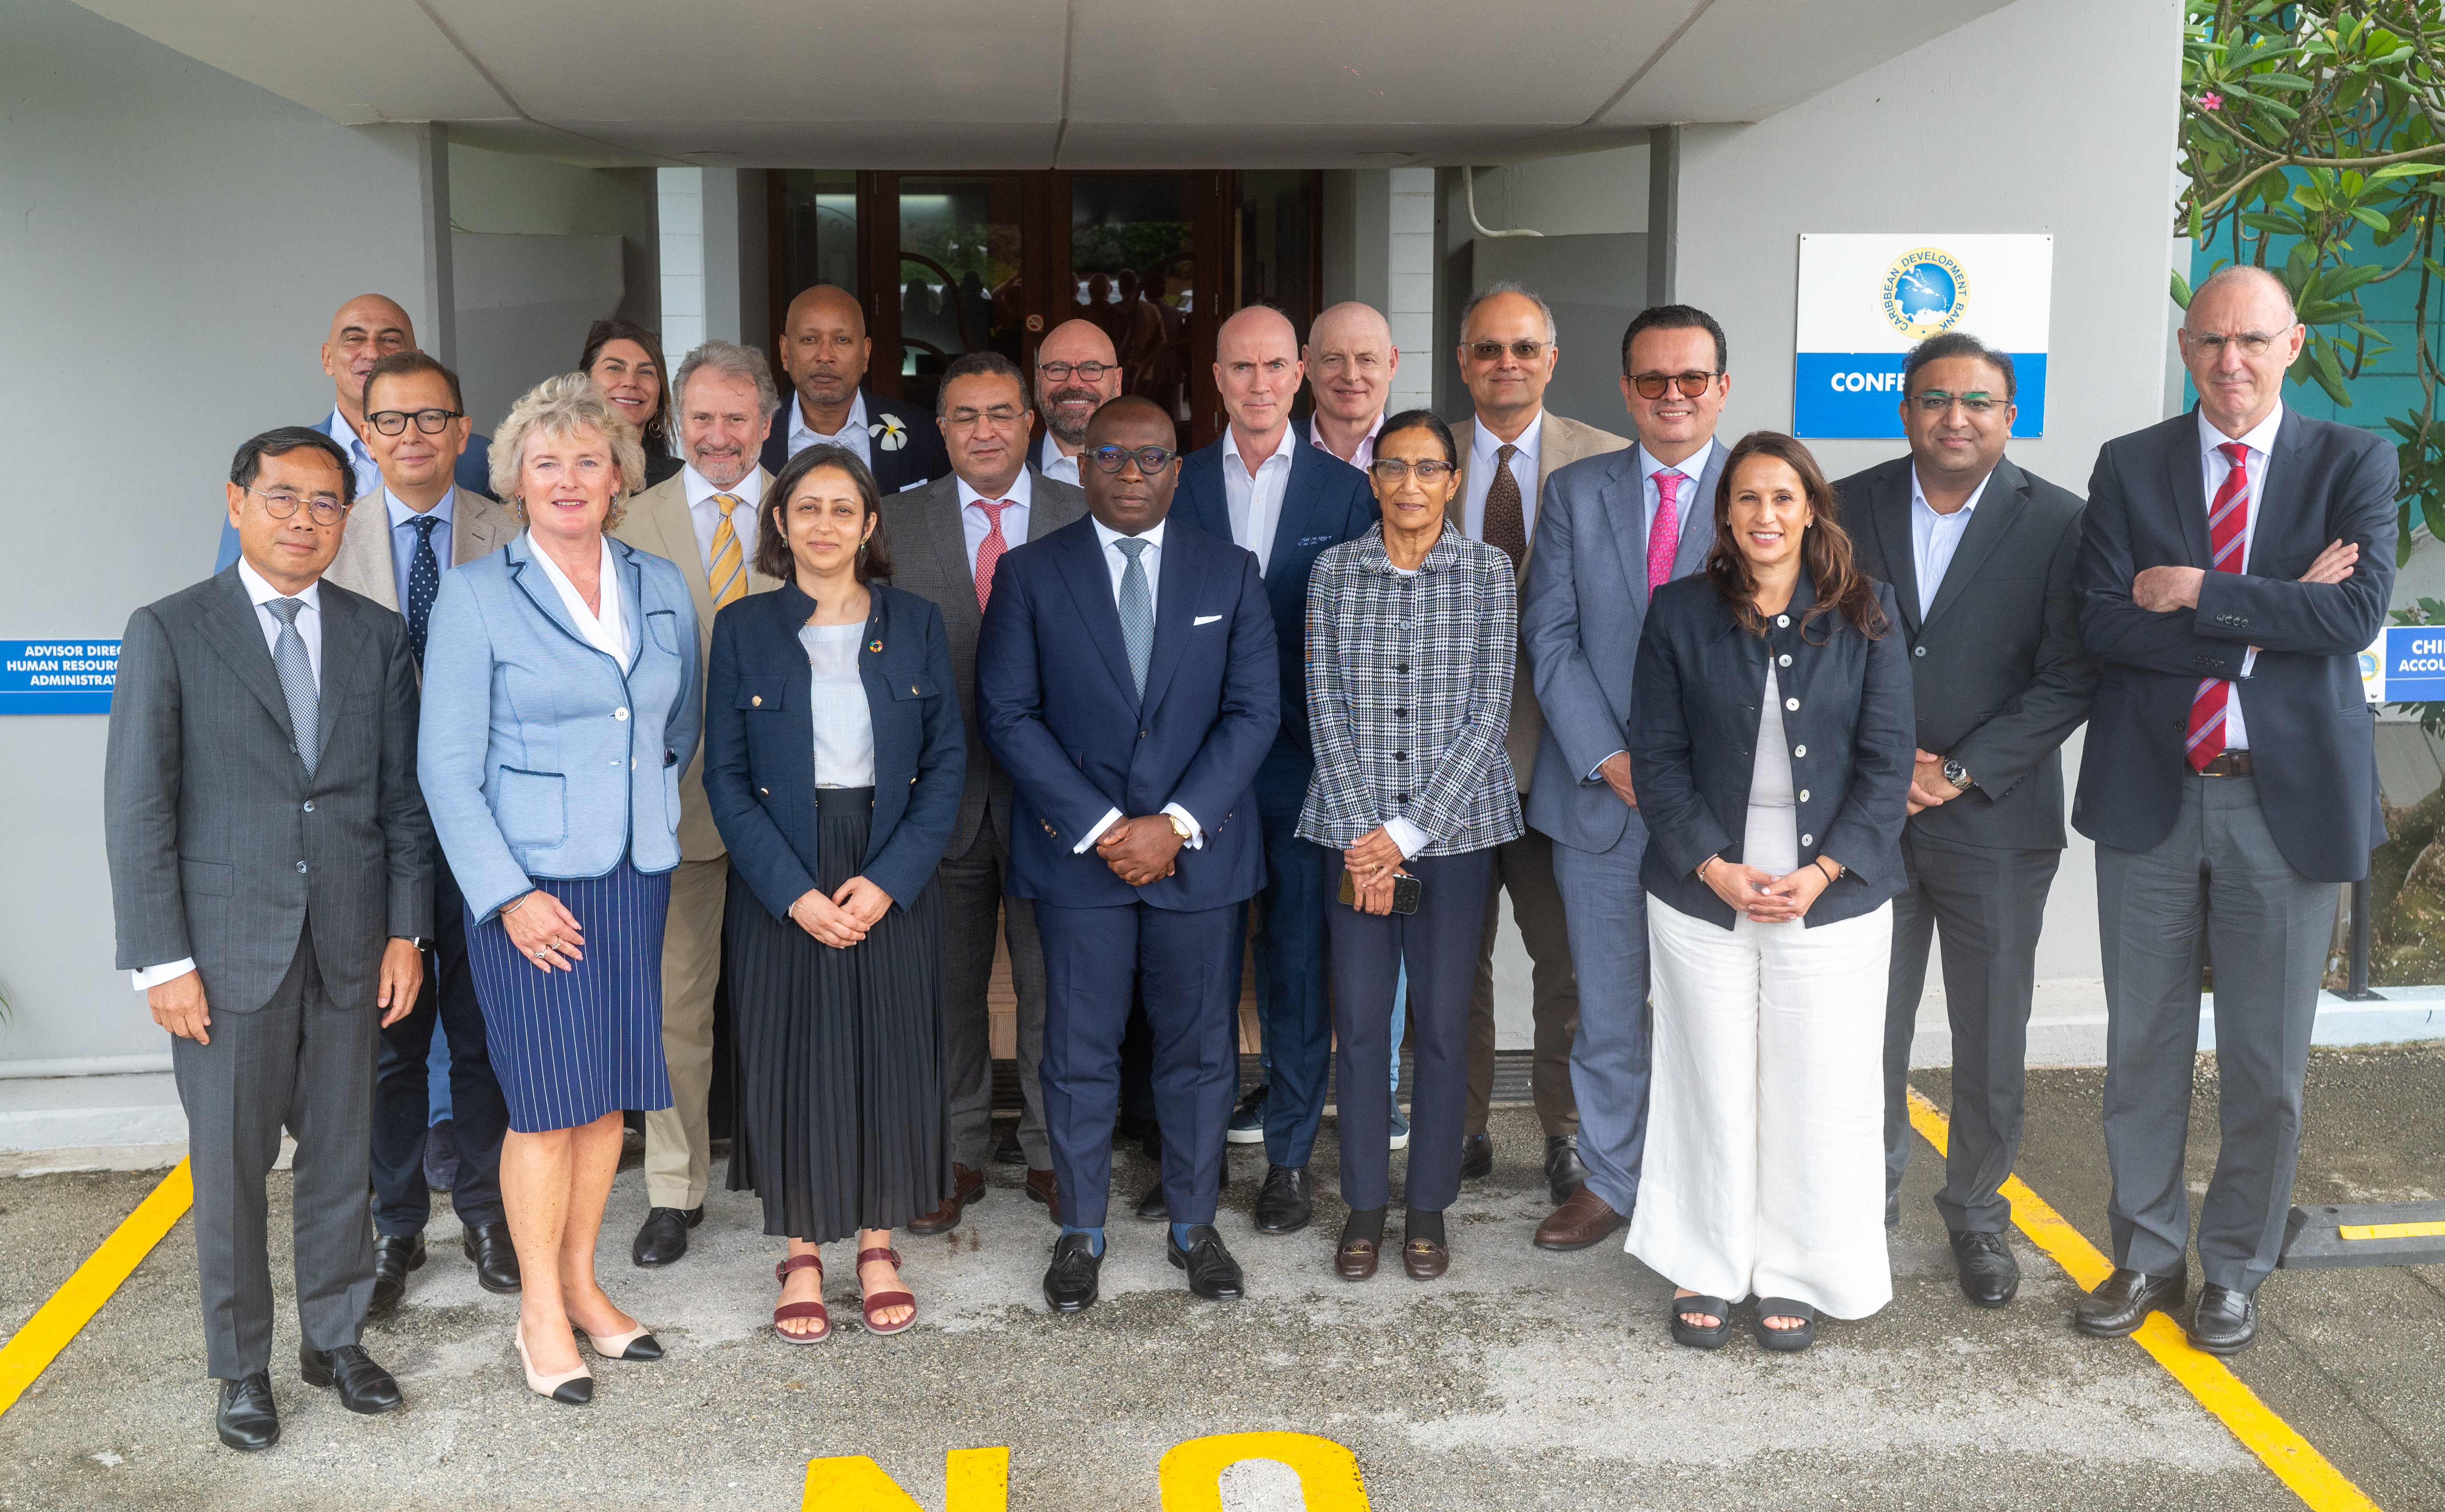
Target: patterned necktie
(296, 671)
(424, 581)
(989, 549)
(1664, 538)
(2227, 517)
(728, 575)
(1505, 526)
(1137, 610)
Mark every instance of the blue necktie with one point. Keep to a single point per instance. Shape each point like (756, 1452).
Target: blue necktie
(296, 671)
(1137, 610)
(424, 581)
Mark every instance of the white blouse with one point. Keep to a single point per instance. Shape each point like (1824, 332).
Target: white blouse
(607, 630)
(1771, 840)
(844, 726)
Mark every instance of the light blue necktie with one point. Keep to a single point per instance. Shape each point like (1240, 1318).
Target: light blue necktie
(296, 671)
(1137, 610)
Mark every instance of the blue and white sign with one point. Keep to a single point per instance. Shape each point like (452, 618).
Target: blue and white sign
(1866, 301)
(57, 677)
(2406, 665)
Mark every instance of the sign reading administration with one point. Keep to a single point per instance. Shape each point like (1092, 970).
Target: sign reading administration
(57, 677)
(1866, 300)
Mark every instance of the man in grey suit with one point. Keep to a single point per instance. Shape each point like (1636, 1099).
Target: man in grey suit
(947, 538)
(1611, 530)
(272, 873)
(1981, 556)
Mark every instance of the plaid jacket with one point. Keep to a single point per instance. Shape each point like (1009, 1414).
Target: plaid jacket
(1408, 693)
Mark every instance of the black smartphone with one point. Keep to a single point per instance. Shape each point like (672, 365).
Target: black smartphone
(1404, 892)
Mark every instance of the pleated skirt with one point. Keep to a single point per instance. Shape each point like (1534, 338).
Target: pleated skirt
(570, 1046)
(840, 1065)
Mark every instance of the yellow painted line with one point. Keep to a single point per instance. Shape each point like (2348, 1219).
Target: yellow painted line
(33, 1347)
(2277, 1443)
(2392, 1231)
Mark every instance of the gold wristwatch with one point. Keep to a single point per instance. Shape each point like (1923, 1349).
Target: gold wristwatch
(1179, 826)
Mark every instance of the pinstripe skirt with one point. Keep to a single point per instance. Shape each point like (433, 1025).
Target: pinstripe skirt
(570, 1046)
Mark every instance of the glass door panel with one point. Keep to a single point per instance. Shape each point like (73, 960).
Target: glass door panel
(958, 287)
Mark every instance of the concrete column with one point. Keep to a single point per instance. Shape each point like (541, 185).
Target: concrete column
(1409, 281)
(679, 200)
(720, 223)
(1663, 213)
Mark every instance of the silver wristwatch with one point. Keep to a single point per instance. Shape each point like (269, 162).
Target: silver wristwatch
(1956, 774)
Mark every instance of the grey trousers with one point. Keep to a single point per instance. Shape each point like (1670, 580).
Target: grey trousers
(308, 1062)
(1990, 906)
(973, 900)
(1525, 868)
(2216, 880)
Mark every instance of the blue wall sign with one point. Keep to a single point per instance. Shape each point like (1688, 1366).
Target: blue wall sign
(57, 677)
(2414, 663)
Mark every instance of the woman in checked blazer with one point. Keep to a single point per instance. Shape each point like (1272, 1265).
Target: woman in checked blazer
(1412, 640)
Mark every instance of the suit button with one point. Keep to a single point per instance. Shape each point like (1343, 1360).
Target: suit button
(1792, 704)
(1800, 750)
(1803, 794)
(1783, 620)
(301, 865)
(632, 763)
(764, 792)
(309, 808)
(1403, 670)
(1400, 714)
(1400, 798)
(1400, 756)
(755, 701)
(619, 714)
(1808, 839)
(1142, 733)
(1918, 650)
(1784, 660)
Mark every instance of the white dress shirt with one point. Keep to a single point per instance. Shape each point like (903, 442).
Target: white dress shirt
(975, 520)
(1053, 462)
(1118, 562)
(403, 536)
(1255, 498)
(844, 724)
(369, 478)
(604, 628)
(1480, 475)
(706, 516)
(1935, 538)
(2213, 468)
(853, 433)
(1364, 457)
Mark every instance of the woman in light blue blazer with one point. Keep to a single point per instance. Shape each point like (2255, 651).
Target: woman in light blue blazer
(561, 704)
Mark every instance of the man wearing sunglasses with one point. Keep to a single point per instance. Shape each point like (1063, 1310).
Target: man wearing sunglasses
(1980, 553)
(1509, 448)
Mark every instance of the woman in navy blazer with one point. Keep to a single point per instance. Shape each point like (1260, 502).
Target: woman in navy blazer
(1772, 757)
(834, 763)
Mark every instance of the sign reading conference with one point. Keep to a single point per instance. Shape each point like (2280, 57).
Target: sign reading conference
(1866, 301)
(57, 677)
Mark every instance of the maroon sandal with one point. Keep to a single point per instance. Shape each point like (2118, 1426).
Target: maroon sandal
(794, 1310)
(882, 1300)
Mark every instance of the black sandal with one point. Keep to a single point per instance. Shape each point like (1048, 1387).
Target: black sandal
(1786, 1339)
(1684, 1331)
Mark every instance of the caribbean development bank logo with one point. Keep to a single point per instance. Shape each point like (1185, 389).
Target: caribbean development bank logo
(1925, 291)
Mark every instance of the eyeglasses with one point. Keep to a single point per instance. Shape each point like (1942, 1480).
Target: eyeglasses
(1003, 415)
(1150, 460)
(394, 422)
(282, 505)
(1092, 372)
(1935, 401)
(1651, 385)
(1393, 471)
(1525, 350)
(2252, 343)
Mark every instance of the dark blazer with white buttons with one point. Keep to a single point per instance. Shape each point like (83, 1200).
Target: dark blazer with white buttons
(759, 743)
(2312, 734)
(1998, 674)
(1694, 744)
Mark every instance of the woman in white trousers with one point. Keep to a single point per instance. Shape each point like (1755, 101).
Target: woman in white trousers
(1771, 752)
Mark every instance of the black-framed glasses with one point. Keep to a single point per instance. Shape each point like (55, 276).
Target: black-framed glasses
(1003, 415)
(1935, 401)
(1393, 471)
(2252, 343)
(394, 422)
(1150, 460)
(282, 505)
(1527, 351)
(1092, 372)
(1691, 385)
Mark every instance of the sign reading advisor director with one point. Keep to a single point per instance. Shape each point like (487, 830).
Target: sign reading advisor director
(57, 677)
(1866, 301)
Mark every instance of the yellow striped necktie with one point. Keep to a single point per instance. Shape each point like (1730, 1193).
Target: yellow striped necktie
(729, 573)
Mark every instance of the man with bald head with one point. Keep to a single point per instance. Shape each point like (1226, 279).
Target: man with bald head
(1076, 372)
(825, 351)
(1350, 360)
(1261, 490)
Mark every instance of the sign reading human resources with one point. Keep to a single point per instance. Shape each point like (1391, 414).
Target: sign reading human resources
(1866, 301)
(57, 677)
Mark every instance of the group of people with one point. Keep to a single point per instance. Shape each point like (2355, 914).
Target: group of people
(825, 703)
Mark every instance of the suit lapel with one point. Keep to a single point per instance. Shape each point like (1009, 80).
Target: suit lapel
(1299, 503)
(2008, 492)
(1090, 583)
(2280, 457)
(1175, 604)
(1889, 515)
(363, 565)
(946, 536)
(1698, 514)
(531, 581)
(2182, 471)
(237, 636)
(1625, 508)
(344, 638)
(631, 573)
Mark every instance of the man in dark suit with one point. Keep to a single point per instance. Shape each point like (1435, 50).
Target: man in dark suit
(2233, 563)
(272, 873)
(1980, 555)
(946, 539)
(1127, 680)
(825, 350)
(1262, 491)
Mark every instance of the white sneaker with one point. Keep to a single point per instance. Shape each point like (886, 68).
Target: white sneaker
(1400, 1128)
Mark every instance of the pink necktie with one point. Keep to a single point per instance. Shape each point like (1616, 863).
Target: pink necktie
(989, 549)
(1664, 539)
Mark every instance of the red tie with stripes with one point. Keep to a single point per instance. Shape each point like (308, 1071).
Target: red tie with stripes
(989, 549)
(2227, 517)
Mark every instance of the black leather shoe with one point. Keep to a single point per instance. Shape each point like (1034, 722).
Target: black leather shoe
(1476, 1156)
(1893, 1209)
(663, 1236)
(364, 1387)
(1284, 1206)
(2123, 1300)
(1008, 1152)
(488, 1247)
(1151, 1206)
(1564, 1172)
(394, 1257)
(1069, 1281)
(2224, 1321)
(1990, 1275)
(1212, 1273)
(248, 1420)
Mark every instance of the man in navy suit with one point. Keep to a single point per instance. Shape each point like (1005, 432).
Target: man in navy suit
(1135, 827)
(825, 350)
(1258, 488)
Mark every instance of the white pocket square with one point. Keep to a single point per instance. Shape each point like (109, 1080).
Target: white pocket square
(1203, 619)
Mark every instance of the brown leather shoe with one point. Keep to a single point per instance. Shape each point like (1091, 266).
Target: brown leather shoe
(1355, 1260)
(967, 1185)
(1425, 1260)
(1584, 1220)
(1041, 1187)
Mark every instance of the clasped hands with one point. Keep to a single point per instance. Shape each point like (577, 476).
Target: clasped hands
(1372, 863)
(1140, 851)
(2162, 589)
(1766, 899)
(842, 918)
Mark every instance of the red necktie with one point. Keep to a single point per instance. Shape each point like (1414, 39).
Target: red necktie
(989, 549)
(2227, 517)
(1664, 538)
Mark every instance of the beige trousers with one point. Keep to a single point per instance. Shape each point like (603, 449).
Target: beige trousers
(676, 1158)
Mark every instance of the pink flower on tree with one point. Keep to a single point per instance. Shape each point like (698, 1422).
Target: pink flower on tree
(2211, 100)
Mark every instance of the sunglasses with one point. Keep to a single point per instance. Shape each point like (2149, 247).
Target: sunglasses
(1651, 385)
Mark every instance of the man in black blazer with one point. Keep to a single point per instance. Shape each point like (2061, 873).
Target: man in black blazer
(1980, 555)
(2234, 562)
(825, 350)
(271, 874)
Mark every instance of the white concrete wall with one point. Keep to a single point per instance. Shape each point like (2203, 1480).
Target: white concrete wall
(524, 306)
(681, 196)
(1410, 284)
